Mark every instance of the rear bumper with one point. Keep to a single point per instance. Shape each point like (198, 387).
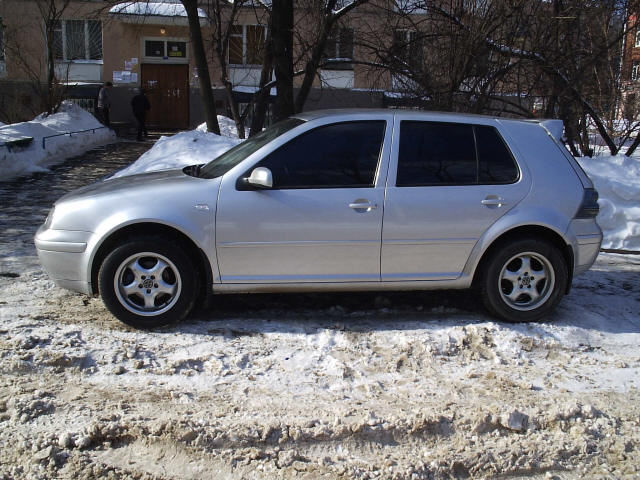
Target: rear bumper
(587, 237)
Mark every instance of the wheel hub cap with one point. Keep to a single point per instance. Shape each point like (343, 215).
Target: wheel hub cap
(526, 281)
(147, 284)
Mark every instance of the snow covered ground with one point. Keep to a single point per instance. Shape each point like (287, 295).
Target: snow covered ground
(338, 386)
(19, 161)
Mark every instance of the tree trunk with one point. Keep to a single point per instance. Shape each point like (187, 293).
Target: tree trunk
(282, 43)
(633, 146)
(261, 97)
(311, 68)
(191, 7)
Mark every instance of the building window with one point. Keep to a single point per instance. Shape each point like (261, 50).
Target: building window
(635, 71)
(637, 44)
(165, 49)
(77, 40)
(246, 45)
(340, 49)
(407, 50)
(154, 48)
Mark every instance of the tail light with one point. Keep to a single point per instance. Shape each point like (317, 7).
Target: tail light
(589, 207)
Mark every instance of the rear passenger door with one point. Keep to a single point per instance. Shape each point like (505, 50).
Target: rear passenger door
(448, 183)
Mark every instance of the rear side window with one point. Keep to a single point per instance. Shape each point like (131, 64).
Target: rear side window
(435, 153)
(333, 156)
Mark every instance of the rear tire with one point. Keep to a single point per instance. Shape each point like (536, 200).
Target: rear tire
(524, 281)
(148, 282)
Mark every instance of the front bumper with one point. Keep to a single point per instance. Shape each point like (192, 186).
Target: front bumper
(63, 254)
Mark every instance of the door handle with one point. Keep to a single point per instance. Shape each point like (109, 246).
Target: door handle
(493, 201)
(363, 205)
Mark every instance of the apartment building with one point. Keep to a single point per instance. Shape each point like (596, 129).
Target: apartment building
(146, 44)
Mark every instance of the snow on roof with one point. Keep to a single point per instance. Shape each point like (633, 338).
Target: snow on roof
(157, 9)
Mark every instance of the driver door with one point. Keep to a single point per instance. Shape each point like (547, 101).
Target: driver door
(322, 219)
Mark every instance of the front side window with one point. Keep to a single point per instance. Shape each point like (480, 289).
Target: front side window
(246, 44)
(637, 43)
(635, 71)
(237, 154)
(433, 153)
(341, 155)
(77, 40)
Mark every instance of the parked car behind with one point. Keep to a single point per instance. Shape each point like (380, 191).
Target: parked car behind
(338, 200)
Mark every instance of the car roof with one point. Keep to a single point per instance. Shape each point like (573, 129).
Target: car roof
(417, 114)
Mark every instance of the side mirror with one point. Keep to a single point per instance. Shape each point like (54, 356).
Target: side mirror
(261, 177)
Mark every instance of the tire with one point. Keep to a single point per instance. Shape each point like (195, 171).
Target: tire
(524, 280)
(148, 282)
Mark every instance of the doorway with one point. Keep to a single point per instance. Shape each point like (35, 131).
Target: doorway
(167, 87)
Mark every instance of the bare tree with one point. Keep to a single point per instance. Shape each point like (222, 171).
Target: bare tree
(477, 55)
(200, 57)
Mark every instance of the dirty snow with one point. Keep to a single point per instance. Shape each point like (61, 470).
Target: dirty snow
(411, 385)
(19, 161)
(358, 386)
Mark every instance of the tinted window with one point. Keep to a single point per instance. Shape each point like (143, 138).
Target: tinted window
(495, 162)
(232, 157)
(436, 154)
(337, 155)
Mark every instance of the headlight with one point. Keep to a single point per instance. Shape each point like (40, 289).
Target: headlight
(47, 222)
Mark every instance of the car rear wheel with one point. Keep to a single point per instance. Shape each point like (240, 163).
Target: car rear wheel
(524, 281)
(148, 282)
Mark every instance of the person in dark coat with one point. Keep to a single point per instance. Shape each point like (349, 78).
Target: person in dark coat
(140, 104)
(104, 103)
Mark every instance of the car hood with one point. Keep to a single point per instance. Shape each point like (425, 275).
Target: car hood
(140, 182)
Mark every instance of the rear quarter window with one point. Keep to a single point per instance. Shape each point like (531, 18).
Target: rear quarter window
(495, 162)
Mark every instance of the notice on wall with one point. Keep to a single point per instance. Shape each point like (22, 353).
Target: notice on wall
(122, 77)
(128, 66)
(134, 78)
(134, 61)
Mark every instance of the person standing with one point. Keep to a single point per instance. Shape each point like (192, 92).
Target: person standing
(140, 104)
(104, 103)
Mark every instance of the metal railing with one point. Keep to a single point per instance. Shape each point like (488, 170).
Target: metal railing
(93, 130)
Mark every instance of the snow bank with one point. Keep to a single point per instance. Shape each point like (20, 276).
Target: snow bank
(184, 148)
(227, 127)
(617, 179)
(34, 158)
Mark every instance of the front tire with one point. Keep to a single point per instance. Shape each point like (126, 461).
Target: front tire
(148, 282)
(524, 281)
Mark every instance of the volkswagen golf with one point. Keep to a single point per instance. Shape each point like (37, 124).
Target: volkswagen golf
(336, 201)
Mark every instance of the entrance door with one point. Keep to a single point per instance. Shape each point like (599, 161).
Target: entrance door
(167, 88)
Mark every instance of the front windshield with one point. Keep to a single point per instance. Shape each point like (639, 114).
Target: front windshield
(231, 158)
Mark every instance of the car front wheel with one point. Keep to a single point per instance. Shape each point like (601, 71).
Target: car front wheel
(524, 281)
(148, 282)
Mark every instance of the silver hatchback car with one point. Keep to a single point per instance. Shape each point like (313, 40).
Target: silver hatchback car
(337, 200)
